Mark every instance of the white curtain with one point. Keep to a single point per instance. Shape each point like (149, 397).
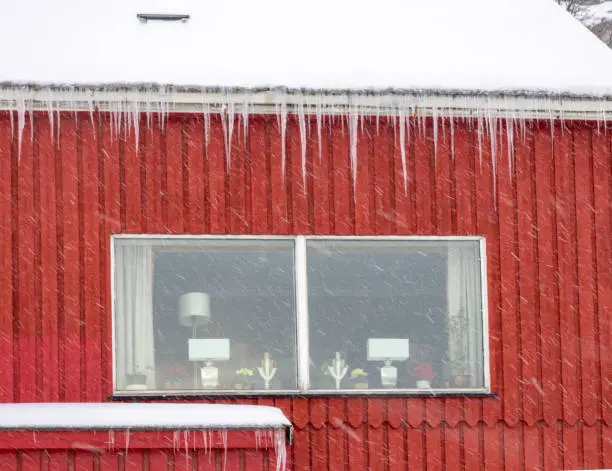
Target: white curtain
(135, 350)
(464, 312)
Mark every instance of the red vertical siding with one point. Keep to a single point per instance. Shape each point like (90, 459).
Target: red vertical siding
(545, 214)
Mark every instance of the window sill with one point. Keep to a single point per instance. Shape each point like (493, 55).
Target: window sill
(383, 393)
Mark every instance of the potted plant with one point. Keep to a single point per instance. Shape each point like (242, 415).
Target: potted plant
(359, 379)
(244, 378)
(175, 376)
(423, 373)
(457, 328)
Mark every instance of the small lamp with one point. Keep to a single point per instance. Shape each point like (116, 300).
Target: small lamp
(194, 311)
(388, 350)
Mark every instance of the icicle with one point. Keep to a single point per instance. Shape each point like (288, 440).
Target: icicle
(479, 132)
(127, 441)
(245, 121)
(90, 104)
(435, 134)
(59, 122)
(319, 112)
(51, 123)
(510, 142)
(281, 449)
(21, 109)
(135, 114)
(452, 136)
(224, 440)
(403, 128)
(12, 120)
(353, 129)
(302, 125)
(282, 124)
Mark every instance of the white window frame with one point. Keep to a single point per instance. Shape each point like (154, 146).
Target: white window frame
(302, 321)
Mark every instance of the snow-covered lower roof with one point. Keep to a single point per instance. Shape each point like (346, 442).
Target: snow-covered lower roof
(470, 46)
(114, 416)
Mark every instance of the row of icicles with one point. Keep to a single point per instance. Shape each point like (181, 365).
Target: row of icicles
(125, 117)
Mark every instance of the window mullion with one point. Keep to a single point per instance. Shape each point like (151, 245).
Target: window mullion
(301, 283)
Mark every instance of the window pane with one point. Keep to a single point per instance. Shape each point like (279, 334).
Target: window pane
(180, 297)
(428, 292)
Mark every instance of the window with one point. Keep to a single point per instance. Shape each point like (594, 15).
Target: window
(298, 314)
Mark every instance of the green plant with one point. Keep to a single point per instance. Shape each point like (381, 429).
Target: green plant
(244, 372)
(358, 373)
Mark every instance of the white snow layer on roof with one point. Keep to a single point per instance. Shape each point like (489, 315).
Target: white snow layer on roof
(442, 45)
(104, 416)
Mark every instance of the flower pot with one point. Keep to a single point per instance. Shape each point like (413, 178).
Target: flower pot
(360, 385)
(423, 384)
(241, 386)
(462, 380)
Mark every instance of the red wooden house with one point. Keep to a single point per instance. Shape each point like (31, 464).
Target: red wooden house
(408, 258)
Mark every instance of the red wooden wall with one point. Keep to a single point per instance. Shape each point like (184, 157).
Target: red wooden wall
(545, 212)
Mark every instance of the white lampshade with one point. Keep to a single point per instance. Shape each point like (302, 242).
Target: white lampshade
(194, 308)
(388, 349)
(209, 349)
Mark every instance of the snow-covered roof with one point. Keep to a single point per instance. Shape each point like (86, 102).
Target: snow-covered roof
(469, 46)
(167, 416)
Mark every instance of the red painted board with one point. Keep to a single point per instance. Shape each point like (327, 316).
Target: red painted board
(278, 177)
(383, 215)
(396, 446)
(433, 448)
(321, 202)
(8, 168)
(473, 449)
(340, 178)
(90, 257)
(26, 315)
(552, 446)
(492, 442)
(376, 449)
(49, 341)
(195, 207)
(364, 182)
(217, 176)
(444, 186)
(298, 183)
(568, 320)
(571, 447)
(587, 267)
(508, 249)
(452, 447)
(531, 382)
(71, 385)
(532, 440)
(301, 449)
(416, 448)
(513, 447)
(260, 182)
(548, 256)
(592, 454)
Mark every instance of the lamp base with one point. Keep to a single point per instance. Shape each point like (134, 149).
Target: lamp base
(209, 376)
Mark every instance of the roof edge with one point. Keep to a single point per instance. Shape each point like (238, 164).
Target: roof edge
(156, 98)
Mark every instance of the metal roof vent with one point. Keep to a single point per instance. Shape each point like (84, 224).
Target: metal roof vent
(146, 17)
